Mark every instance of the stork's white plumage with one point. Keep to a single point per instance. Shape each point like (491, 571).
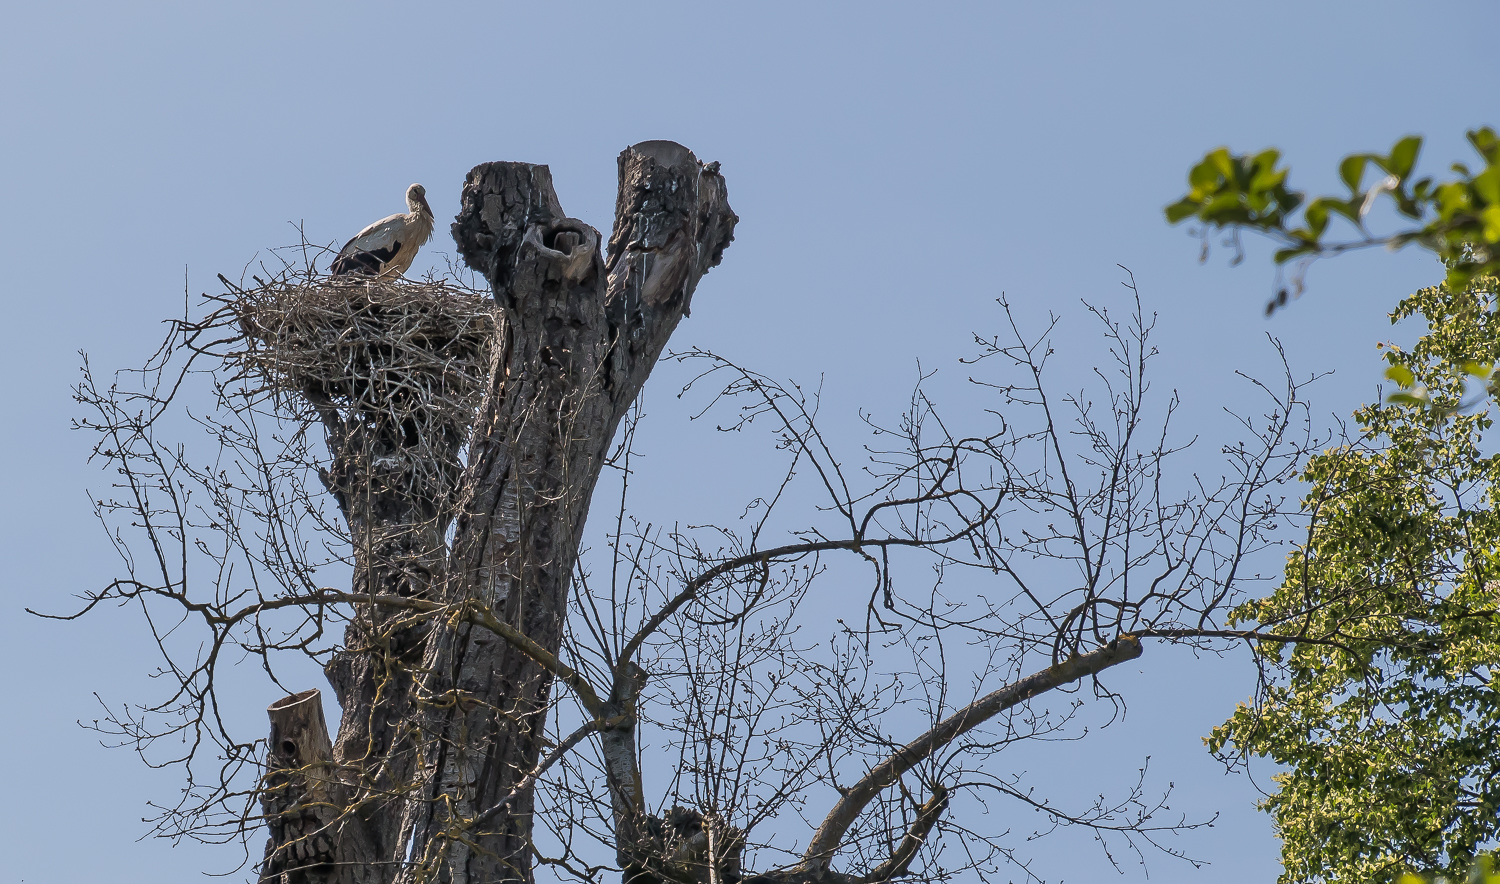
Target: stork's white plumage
(387, 247)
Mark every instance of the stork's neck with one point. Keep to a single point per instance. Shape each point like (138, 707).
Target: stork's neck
(420, 220)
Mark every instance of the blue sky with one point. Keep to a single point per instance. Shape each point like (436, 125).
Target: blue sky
(895, 167)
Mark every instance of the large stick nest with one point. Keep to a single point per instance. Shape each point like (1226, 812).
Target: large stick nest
(378, 348)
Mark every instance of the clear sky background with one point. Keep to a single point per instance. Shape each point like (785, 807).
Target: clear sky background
(895, 167)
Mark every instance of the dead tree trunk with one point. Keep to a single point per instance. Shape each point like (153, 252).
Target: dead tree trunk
(393, 374)
(300, 795)
(577, 335)
(394, 476)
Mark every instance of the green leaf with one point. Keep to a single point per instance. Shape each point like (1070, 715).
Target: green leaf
(1224, 208)
(1417, 397)
(1184, 208)
(1403, 156)
(1268, 179)
(1487, 143)
(1487, 185)
(1458, 277)
(1452, 198)
(1203, 176)
(1348, 208)
(1352, 170)
(1475, 368)
(1401, 375)
(1491, 217)
(1223, 162)
(1267, 158)
(1317, 216)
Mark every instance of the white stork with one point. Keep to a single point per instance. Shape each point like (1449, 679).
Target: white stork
(387, 247)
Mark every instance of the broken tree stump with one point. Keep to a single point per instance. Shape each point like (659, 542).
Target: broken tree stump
(300, 793)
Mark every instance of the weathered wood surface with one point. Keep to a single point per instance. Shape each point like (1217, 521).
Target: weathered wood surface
(580, 334)
(300, 794)
(393, 470)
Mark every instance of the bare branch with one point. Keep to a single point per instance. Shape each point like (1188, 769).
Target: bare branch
(848, 808)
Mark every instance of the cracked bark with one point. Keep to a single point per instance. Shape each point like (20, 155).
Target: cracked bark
(579, 334)
(394, 481)
(300, 793)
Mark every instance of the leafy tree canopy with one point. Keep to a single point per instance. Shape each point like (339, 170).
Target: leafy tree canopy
(1387, 725)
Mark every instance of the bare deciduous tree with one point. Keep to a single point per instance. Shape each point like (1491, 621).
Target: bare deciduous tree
(497, 693)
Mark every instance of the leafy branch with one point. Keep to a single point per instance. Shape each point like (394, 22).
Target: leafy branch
(1458, 219)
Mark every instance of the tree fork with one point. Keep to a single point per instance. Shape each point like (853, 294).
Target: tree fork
(578, 336)
(830, 834)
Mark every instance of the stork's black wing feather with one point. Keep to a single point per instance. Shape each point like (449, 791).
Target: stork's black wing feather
(370, 262)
